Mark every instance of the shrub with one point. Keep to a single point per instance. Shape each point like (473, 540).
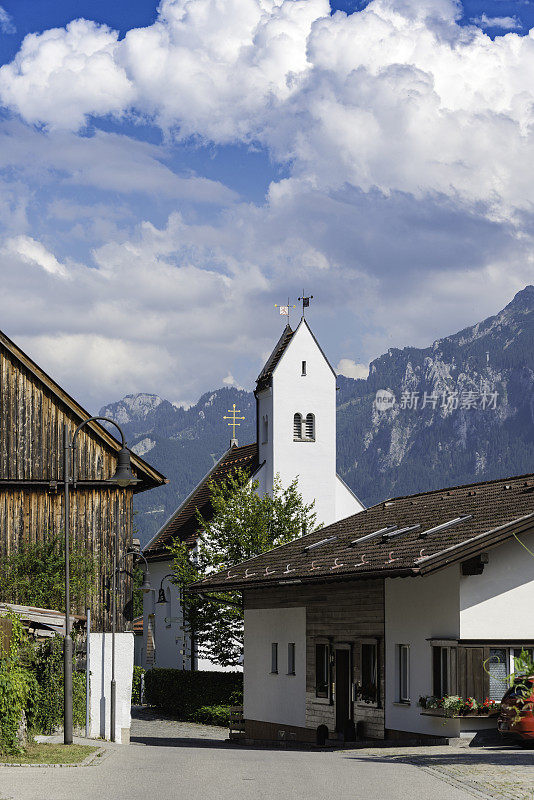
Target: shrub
(138, 673)
(212, 715)
(183, 693)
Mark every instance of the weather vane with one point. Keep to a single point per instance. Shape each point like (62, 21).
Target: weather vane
(305, 301)
(233, 421)
(284, 310)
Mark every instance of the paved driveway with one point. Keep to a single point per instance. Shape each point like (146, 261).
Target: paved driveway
(164, 763)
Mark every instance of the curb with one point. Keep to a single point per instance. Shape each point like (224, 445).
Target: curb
(89, 761)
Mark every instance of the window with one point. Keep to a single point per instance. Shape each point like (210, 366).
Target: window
(404, 673)
(274, 657)
(291, 658)
(265, 429)
(322, 672)
(310, 426)
(303, 368)
(368, 692)
(441, 671)
(297, 427)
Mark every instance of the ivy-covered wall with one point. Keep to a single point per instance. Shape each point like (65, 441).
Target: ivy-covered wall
(31, 689)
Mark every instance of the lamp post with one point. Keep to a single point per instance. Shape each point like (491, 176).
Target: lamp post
(145, 588)
(123, 477)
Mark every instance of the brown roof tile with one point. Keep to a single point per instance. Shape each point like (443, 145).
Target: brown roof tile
(183, 524)
(488, 513)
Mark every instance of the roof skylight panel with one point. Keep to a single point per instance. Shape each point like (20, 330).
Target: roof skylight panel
(380, 532)
(445, 525)
(319, 543)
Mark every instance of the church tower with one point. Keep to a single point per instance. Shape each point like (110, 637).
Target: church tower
(296, 425)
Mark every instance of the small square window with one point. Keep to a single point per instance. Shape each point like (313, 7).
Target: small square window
(291, 658)
(303, 368)
(274, 657)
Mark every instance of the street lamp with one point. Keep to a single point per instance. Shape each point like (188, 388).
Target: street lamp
(146, 587)
(123, 477)
(161, 594)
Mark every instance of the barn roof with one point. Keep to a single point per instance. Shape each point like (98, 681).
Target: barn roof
(149, 477)
(183, 523)
(410, 535)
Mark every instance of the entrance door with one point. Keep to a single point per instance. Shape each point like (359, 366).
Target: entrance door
(343, 690)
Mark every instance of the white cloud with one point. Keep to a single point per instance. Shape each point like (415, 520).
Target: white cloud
(349, 368)
(504, 23)
(35, 253)
(397, 96)
(6, 22)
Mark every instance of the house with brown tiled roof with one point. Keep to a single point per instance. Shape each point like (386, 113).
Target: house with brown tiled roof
(295, 436)
(423, 596)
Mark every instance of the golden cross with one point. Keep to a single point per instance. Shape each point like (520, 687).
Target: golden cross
(233, 424)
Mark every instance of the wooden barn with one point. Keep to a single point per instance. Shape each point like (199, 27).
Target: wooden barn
(34, 411)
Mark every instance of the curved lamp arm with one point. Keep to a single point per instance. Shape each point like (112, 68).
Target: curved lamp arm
(82, 425)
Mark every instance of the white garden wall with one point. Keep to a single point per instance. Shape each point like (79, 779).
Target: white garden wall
(100, 684)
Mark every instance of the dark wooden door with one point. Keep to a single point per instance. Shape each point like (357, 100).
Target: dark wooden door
(343, 689)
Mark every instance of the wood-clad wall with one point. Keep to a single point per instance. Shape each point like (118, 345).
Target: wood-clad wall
(32, 421)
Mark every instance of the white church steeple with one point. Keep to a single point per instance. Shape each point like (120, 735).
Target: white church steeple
(296, 413)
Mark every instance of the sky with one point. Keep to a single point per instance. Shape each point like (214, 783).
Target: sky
(170, 172)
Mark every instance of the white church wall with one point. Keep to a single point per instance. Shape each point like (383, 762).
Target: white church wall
(313, 461)
(346, 503)
(498, 604)
(275, 697)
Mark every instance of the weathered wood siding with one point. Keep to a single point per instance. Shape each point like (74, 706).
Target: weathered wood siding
(32, 421)
(344, 613)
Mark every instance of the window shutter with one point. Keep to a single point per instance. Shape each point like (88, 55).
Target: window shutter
(310, 426)
(297, 426)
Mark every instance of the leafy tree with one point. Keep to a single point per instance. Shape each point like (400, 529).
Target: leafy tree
(34, 575)
(244, 524)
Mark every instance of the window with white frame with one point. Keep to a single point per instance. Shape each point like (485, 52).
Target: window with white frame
(403, 661)
(310, 427)
(291, 658)
(297, 427)
(274, 658)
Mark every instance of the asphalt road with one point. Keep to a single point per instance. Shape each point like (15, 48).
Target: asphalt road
(163, 764)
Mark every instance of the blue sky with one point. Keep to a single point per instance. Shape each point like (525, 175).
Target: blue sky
(165, 180)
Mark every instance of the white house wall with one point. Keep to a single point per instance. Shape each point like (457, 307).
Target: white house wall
(168, 621)
(417, 609)
(279, 698)
(498, 604)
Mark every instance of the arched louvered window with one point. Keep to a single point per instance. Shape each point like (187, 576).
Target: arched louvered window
(310, 426)
(297, 427)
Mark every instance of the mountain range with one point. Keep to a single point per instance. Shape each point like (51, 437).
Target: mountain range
(458, 411)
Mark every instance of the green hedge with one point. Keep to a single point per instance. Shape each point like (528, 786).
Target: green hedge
(183, 693)
(138, 673)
